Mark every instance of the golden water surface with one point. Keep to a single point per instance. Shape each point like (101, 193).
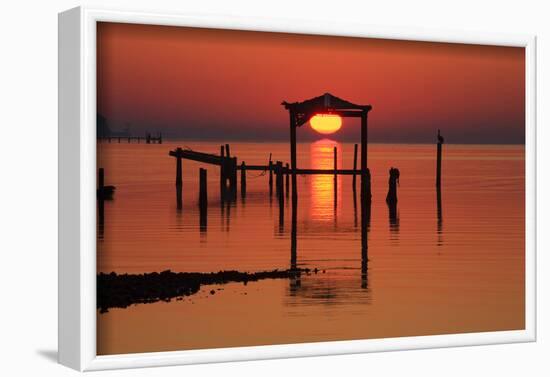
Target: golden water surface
(453, 269)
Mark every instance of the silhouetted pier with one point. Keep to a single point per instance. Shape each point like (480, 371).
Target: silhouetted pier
(147, 139)
(279, 173)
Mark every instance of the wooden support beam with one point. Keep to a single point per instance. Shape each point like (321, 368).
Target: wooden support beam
(227, 151)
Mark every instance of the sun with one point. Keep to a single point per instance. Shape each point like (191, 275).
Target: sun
(326, 123)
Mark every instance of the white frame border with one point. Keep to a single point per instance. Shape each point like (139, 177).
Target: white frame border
(77, 202)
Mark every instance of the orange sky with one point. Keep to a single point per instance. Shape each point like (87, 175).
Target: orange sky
(219, 84)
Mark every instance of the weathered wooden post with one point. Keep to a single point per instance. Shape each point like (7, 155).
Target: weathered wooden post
(234, 177)
(160, 137)
(287, 179)
(222, 174)
(280, 193)
(365, 175)
(119, 139)
(279, 178)
(203, 199)
(203, 192)
(243, 179)
(335, 161)
(179, 176)
(179, 180)
(270, 176)
(227, 150)
(391, 198)
(440, 141)
(335, 179)
(354, 165)
(293, 151)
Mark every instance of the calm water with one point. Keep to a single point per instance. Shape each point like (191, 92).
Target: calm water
(459, 269)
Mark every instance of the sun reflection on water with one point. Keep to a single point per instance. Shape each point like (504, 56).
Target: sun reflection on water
(325, 189)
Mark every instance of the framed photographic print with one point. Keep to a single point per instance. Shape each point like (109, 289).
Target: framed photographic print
(239, 189)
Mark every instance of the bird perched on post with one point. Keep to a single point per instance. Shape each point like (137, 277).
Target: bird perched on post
(440, 139)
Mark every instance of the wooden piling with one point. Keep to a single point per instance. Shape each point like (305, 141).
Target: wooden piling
(335, 161)
(365, 174)
(279, 178)
(270, 176)
(243, 179)
(233, 175)
(280, 193)
(391, 197)
(222, 173)
(354, 165)
(287, 178)
(179, 179)
(227, 150)
(203, 199)
(203, 193)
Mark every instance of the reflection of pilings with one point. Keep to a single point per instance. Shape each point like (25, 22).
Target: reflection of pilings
(365, 225)
(335, 181)
(179, 200)
(439, 219)
(354, 207)
(203, 199)
(393, 217)
(101, 218)
(354, 165)
(101, 202)
(438, 169)
(295, 282)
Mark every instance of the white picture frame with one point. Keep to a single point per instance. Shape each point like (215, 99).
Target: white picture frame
(77, 196)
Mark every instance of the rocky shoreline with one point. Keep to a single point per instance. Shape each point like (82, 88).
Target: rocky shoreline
(122, 290)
